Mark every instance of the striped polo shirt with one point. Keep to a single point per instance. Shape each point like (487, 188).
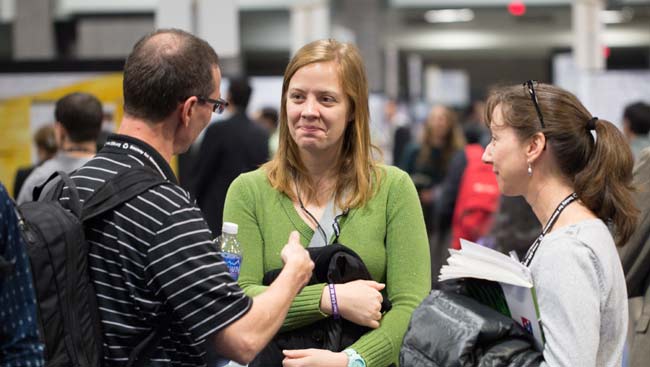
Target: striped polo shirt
(153, 256)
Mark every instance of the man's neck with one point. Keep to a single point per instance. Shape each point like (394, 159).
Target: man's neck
(155, 134)
(79, 150)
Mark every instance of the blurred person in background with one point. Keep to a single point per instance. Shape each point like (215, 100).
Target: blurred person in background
(228, 149)
(475, 186)
(108, 127)
(268, 119)
(324, 173)
(46, 148)
(635, 256)
(636, 125)
(19, 339)
(542, 148)
(474, 122)
(78, 122)
(428, 162)
(514, 228)
(399, 132)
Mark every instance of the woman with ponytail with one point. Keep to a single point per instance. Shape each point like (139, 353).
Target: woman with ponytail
(575, 171)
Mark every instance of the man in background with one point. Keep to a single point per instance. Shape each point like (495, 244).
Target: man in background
(78, 122)
(268, 119)
(636, 125)
(45, 142)
(635, 258)
(229, 148)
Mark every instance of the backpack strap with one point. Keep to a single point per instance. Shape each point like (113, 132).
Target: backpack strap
(60, 180)
(121, 188)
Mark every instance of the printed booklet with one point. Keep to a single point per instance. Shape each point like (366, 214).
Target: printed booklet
(498, 281)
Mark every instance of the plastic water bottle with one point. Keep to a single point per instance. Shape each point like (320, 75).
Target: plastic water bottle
(230, 248)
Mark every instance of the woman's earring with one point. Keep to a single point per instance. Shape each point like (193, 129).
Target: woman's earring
(530, 169)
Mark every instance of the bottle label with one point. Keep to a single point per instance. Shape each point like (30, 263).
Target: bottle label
(233, 261)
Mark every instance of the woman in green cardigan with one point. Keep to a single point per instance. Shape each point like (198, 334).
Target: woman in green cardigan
(324, 172)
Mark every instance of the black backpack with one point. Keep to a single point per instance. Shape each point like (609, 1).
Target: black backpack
(68, 315)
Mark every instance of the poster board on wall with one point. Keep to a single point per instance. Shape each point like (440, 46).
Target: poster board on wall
(27, 103)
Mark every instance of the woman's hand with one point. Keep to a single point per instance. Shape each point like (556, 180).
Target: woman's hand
(359, 301)
(314, 358)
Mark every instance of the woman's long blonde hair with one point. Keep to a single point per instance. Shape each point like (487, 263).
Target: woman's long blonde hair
(454, 139)
(357, 171)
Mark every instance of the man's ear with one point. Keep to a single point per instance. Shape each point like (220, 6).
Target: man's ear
(536, 145)
(187, 109)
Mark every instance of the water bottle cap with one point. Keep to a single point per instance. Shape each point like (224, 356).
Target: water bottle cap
(230, 228)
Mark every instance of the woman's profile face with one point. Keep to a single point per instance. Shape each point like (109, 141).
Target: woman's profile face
(317, 108)
(507, 155)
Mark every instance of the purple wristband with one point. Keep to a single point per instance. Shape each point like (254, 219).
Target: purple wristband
(335, 305)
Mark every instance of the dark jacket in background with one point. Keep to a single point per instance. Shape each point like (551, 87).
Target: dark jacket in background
(449, 329)
(635, 257)
(229, 148)
(21, 175)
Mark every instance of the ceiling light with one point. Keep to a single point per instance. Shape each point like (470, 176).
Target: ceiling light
(449, 15)
(616, 16)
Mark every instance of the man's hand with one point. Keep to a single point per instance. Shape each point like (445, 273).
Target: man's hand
(359, 301)
(296, 259)
(245, 338)
(314, 358)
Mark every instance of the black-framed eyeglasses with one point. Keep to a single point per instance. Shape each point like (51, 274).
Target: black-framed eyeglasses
(218, 105)
(530, 86)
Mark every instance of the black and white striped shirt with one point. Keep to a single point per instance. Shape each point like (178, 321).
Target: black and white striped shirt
(154, 256)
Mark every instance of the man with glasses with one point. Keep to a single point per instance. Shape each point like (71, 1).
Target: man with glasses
(152, 258)
(229, 148)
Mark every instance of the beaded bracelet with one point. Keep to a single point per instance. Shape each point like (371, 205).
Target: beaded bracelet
(335, 306)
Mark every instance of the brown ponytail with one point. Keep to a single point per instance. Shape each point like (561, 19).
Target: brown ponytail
(605, 183)
(600, 167)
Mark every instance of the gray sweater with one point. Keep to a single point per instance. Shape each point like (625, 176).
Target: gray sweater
(60, 162)
(582, 296)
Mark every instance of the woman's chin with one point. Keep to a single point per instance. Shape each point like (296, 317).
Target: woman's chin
(309, 144)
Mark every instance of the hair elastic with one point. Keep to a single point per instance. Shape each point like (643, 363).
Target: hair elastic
(591, 124)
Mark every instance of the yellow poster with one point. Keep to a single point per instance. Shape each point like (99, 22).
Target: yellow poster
(19, 118)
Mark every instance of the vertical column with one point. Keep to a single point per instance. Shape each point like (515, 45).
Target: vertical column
(175, 14)
(391, 71)
(7, 10)
(217, 22)
(587, 34)
(33, 30)
(414, 67)
(310, 21)
(366, 18)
